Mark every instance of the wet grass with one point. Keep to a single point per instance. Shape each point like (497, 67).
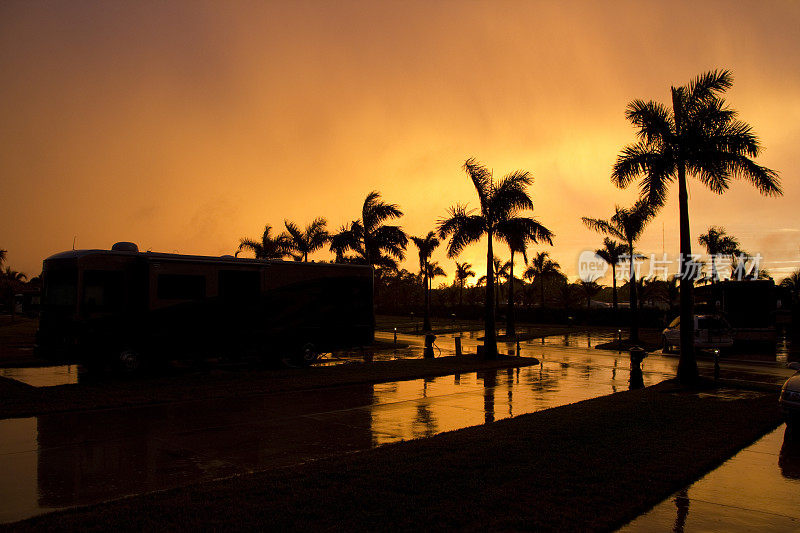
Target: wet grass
(591, 466)
(108, 391)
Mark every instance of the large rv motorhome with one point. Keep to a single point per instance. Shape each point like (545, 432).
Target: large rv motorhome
(130, 307)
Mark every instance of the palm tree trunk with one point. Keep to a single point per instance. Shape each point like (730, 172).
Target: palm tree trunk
(510, 326)
(461, 293)
(490, 336)
(634, 300)
(496, 292)
(426, 322)
(713, 270)
(687, 366)
(614, 284)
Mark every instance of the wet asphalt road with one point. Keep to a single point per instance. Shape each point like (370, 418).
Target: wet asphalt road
(68, 459)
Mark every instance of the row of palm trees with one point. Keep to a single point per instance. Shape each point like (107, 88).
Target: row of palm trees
(697, 135)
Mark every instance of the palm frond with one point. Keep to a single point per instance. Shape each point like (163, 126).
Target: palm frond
(481, 178)
(462, 227)
(708, 85)
(510, 195)
(249, 244)
(653, 119)
(603, 226)
(375, 211)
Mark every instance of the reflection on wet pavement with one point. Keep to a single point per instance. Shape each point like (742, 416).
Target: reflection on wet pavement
(756, 490)
(46, 376)
(67, 459)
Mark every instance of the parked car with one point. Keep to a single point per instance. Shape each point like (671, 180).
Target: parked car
(710, 331)
(790, 396)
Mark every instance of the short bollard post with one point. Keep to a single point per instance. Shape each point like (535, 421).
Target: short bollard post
(428, 352)
(458, 346)
(716, 365)
(637, 379)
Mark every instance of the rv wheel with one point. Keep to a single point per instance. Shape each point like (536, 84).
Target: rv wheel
(309, 353)
(129, 360)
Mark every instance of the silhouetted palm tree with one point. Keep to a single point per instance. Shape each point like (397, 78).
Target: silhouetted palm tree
(718, 243)
(650, 290)
(2, 256)
(434, 270)
(426, 245)
(463, 272)
(612, 253)
(542, 268)
(307, 241)
(269, 248)
(499, 201)
(590, 289)
(792, 282)
(373, 242)
(627, 224)
(13, 276)
(700, 136)
(518, 232)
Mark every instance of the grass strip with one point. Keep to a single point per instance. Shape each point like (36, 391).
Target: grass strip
(20, 400)
(592, 465)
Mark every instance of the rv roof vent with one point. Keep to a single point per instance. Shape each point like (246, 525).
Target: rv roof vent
(125, 247)
(227, 256)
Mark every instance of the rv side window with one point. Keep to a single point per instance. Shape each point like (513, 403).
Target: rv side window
(61, 287)
(181, 287)
(239, 285)
(103, 290)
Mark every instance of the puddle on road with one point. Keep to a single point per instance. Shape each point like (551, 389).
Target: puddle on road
(78, 458)
(758, 489)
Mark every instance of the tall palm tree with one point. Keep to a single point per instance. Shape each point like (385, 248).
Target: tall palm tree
(373, 242)
(540, 269)
(699, 136)
(305, 241)
(518, 232)
(463, 272)
(612, 253)
(499, 201)
(426, 245)
(269, 248)
(627, 225)
(718, 243)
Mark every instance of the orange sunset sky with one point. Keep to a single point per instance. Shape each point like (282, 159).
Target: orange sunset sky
(184, 126)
